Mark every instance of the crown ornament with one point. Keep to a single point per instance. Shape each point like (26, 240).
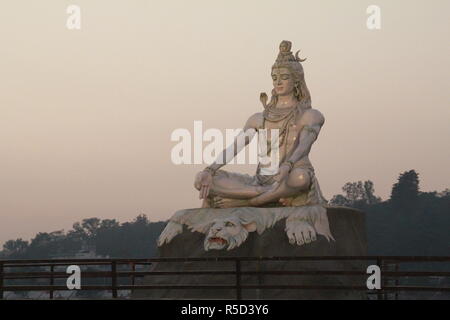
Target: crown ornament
(285, 55)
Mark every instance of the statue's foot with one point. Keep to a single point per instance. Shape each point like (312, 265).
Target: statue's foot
(229, 203)
(286, 202)
(300, 232)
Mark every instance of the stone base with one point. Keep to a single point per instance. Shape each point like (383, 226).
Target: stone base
(347, 227)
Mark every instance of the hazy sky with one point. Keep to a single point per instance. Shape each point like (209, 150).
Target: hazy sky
(86, 115)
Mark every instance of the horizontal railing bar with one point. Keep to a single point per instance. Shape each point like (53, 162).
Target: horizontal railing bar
(206, 259)
(101, 263)
(274, 272)
(53, 288)
(56, 276)
(143, 287)
(397, 288)
(43, 265)
(304, 287)
(120, 287)
(104, 274)
(415, 288)
(415, 274)
(61, 264)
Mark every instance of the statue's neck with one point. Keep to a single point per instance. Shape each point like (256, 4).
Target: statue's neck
(287, 101)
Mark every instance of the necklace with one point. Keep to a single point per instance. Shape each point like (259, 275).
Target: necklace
(273, 114)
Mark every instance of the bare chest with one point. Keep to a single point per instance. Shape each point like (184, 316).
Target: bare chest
(288, 130)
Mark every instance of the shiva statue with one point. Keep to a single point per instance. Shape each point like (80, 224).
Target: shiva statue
(292, 182)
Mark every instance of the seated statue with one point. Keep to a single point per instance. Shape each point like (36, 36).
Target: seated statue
(292, 182)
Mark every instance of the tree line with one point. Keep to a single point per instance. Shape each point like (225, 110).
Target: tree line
(410, 222)
(107, 238)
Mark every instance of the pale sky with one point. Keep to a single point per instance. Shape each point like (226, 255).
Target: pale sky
(86, 115)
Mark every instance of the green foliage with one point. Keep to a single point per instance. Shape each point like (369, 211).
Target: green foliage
(409, 223)
(357, 194)
(405, 193)
(136, 239)
(18, 247)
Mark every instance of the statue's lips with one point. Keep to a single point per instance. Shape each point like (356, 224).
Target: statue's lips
(217, 240)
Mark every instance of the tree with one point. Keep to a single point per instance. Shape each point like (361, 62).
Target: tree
(405, 192)
(340, 200)
(15, 247)
(369, 193)
(353, 191)
(86, 230)
(357, 194)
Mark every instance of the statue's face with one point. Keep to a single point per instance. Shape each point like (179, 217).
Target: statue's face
(283, 81)
(227, 233)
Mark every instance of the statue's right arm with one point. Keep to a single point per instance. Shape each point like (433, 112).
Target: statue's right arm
(240, 141)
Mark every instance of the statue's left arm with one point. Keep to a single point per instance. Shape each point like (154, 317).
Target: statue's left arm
(312, 121)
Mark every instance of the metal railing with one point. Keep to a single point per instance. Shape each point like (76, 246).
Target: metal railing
(121, 274)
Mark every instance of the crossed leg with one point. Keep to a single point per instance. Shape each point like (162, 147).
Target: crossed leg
(298, 180)
(235, 186)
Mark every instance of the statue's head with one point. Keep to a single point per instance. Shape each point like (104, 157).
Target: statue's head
(288, 76)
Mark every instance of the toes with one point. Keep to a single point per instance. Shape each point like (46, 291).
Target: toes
(306, 236)
(313, 234)
(290, 236)
(300, 239)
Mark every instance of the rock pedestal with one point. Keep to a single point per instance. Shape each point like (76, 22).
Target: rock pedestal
(347, 226)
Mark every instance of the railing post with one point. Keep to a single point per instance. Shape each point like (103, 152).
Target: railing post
(133, 268)
(396, 281)
(238, 280)
(52, 280)
(1, 280)
(380, 265)
(114, 279)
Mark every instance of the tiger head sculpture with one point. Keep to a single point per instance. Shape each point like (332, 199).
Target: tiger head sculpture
(227, 233)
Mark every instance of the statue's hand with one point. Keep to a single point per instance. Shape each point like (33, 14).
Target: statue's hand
(204, 180)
